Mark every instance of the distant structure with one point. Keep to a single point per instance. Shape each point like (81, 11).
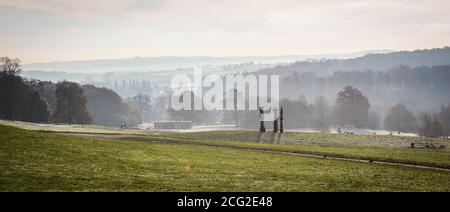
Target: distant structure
(173, 125)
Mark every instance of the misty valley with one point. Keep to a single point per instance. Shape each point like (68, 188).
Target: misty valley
(225, 104)
(308, 91)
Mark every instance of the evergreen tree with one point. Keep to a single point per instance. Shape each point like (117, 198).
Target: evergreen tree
(71, 104)
(400, 119)
(18, 99)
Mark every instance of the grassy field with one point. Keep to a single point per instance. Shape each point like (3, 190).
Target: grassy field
(41, 161)
(370, 147)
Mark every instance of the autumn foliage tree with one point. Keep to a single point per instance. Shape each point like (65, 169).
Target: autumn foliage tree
(352, 108)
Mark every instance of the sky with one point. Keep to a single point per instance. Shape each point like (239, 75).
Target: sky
(61, 30)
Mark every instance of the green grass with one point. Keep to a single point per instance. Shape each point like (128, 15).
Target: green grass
(368, 147)
(37, 161)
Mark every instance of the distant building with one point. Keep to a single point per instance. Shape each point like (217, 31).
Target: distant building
(173, 125)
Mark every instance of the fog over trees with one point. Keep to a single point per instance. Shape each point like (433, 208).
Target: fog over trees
(374, 62)
(143, 105)
(400, 119)
(108, 108)
(71, 104)
(196, 116)
(419, 80)
(63, 103)
(430, 126)
(444, 116)
(398, 91)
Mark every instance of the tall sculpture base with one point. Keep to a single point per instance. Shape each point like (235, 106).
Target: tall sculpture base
(281, 126)
(262, 128)
(275, 126)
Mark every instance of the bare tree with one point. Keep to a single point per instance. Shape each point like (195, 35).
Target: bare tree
(10, 66)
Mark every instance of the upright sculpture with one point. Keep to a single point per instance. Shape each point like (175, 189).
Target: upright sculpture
(278, 123)
(262, 128)
(281, 120)
(275, 122)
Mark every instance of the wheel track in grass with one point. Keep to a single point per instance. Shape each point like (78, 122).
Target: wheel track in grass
(320, 155)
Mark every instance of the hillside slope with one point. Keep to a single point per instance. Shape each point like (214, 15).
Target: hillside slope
(375, 62)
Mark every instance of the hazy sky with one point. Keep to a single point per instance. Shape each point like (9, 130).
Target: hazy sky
(59, 30)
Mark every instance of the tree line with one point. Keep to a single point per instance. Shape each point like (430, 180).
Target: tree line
(421, 88)
(72, 103)
(64, 102)
(352, 109)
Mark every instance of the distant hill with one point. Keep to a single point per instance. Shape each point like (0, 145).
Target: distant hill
(146, 64)
(375, 62)
(418, 79)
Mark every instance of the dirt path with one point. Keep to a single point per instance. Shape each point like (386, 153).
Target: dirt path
(293, 153)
